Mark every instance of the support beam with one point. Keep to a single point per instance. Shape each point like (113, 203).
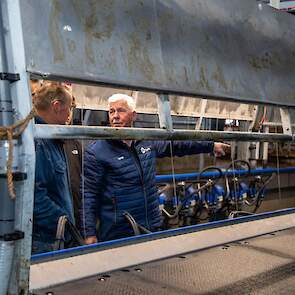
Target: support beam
(164, 109)
(24, 153)
(202, 114)
(286, 121)
(275, 3)
(82, 132)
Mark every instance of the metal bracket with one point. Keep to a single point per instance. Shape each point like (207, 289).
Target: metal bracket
(14, 236)
(17, 176)
(11, 77)
(164, 109)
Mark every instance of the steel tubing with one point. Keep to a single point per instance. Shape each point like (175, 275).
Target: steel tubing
(92, 132)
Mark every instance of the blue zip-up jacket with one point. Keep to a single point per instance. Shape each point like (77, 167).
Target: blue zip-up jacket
(119, 179)
(52, 191)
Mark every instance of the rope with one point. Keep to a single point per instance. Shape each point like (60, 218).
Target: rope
(173, 173)
(9, 133)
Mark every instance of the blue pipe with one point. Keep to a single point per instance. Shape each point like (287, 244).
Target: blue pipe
(178, 177)
(156, 235)
(194, 176)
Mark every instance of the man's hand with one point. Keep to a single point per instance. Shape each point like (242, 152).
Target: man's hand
(91, 240)
(220, 149)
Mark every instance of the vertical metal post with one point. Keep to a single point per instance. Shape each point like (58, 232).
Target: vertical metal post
(286, 121)
(275, 3)
(253, 147)
(165, 118)
(265, 147)
(86, 117)
(202, 114)
(243, 147)
(6, 203)
(198, 127)
(24, 154)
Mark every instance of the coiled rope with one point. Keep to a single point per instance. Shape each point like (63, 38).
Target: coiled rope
(12, 132)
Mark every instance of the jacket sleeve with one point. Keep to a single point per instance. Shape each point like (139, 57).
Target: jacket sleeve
(182, 148)
(46, 211)
(90, 189)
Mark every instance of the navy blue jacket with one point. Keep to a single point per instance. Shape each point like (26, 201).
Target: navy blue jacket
(119, 179)
(52, 191)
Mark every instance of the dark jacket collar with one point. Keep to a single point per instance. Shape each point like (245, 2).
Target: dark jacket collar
(119, 142)
(39, 120)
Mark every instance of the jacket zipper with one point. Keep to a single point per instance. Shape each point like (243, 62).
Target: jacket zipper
(69, 181)
(115, 208)
(140, 171)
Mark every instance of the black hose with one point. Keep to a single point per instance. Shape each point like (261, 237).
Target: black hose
(137, 228)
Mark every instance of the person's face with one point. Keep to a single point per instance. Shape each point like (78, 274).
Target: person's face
(70, 118)
(62, 110)
(120, 114)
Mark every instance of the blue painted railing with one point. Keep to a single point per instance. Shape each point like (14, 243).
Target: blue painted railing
(212, 174)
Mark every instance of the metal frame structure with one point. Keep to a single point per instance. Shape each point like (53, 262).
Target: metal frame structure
(18, 97)
(23, 48)
(68, 266)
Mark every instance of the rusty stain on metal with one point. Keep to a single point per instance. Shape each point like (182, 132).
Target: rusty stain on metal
(204, 83)
(186, 74)
(55, 34)
(138, 57)
(93, 27)
(71, 45)
(233, 85)
(265, 61)
(219, 77)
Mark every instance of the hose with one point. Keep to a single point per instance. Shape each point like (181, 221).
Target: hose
(137, 228)
(64, 222)
(259, 199)
(180, 206)
(232, 166)
(133, 223)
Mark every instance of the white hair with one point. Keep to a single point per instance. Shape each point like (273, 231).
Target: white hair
(120, 96)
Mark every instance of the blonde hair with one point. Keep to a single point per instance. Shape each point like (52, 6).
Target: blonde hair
(47, 93)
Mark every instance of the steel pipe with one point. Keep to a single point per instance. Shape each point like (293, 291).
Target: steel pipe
(83, 132)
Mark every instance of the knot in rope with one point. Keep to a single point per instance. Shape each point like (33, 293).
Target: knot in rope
(9, 133)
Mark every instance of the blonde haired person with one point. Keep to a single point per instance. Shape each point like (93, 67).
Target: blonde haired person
(53, 198)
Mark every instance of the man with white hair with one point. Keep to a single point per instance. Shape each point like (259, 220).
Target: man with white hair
(119, 177)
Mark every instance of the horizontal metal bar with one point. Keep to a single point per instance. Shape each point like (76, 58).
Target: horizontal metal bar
(54, 272)
(91, 132)
(274, 124)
